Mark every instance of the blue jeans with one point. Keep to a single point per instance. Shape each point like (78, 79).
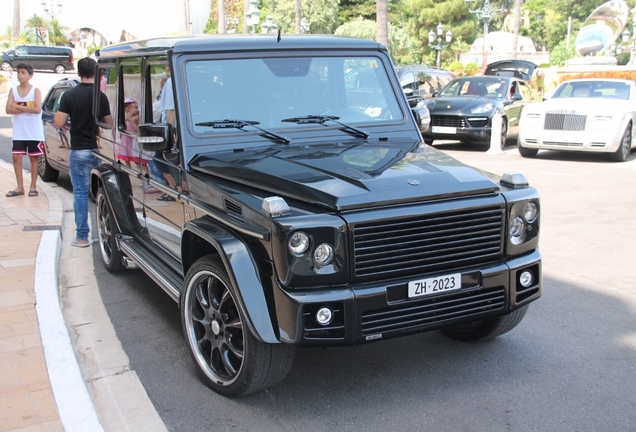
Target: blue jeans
(80, 164)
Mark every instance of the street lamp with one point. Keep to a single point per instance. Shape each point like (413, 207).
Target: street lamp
(231, 26)
(52, 8)
(253, 15)
(269, 25)
(304, 25)
(484, 14)
(439, 46)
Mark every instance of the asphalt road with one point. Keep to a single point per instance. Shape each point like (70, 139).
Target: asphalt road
(569, 366)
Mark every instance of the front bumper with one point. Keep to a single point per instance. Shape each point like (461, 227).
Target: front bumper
(605, 140)
(373, 311)
(465, 134)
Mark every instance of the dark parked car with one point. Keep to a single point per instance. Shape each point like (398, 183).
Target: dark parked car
(41, 57)
(420, 82)
(56, 141)
(464, 109)
(314, 222)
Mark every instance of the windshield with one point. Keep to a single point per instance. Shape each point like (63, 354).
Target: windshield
(495, 88)
(271, 91)
(593, 89)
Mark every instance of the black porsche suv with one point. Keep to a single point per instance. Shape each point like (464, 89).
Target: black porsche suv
(281, 207)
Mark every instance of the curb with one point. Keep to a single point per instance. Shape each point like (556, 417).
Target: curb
(74, 404)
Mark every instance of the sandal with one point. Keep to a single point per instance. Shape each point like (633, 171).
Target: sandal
(165, 197)
(14, 193)
(33, 192)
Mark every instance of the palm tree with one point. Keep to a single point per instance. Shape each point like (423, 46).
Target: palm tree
(57, 32)
(382, 22)
(15, 27)
(36, 22)
(516, 25)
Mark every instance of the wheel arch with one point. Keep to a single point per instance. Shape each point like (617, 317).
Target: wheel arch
(204, 237)
(104, 176)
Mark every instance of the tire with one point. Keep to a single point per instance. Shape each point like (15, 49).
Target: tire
(106, 233)
(504, 132)
(46, 172)
(428, 141)
(485, 329)
(60, 69)
(625, 148)
(5, 65)
(230, 360)
(526, 152)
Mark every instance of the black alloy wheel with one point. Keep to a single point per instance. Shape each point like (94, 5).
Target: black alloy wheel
(231, 361)
(106, 232)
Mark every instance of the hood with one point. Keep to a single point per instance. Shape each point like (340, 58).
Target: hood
(349, 176)
(511, 68)
(460, 104)
(583, 105)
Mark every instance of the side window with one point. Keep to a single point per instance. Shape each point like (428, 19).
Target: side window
(156, 78)
(408, 81)
(53, 102)
(129, 108)
(107, 79)
(525, 91)
(21, 51)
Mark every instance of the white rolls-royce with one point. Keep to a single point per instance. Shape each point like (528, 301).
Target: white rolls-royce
(591, 115)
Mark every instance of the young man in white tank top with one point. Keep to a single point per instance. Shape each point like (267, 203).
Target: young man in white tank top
(25, 103)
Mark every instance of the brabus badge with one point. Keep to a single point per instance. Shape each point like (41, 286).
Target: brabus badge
(413, 182)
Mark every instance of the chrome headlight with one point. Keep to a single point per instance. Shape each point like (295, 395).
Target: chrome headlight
(517, 226)
(323, 255)
(298, 243)
(482, 108)
(523, 223)
(530, 212)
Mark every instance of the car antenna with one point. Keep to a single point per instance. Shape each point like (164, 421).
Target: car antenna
(278, 38)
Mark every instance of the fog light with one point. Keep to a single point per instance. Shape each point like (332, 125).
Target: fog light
(324, 316)
(526, 279)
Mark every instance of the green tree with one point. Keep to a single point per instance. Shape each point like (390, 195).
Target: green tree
(322, 15)
(403, 49)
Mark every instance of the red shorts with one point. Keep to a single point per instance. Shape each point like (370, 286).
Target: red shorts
(30, 148)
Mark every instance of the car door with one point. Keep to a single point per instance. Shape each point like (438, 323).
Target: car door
(513, 107)
(164, 213)
(56, 141)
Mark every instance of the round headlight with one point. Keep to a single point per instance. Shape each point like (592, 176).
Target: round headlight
(323, 255)
(298, 243)
(530, 212)
(517, 226)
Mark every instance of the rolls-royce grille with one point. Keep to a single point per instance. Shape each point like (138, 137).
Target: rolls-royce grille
(566, 122)
(449, 121)
(432, 310)
(428, 242)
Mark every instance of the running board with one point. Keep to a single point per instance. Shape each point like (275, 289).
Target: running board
(145, 260)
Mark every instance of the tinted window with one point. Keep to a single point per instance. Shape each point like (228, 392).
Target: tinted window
(53, 102)
(38, 50)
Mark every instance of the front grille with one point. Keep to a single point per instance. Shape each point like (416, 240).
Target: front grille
(566, 122)
(478, 123)
(563, 144)
(432, 310)
(449, 121)
(427, 242)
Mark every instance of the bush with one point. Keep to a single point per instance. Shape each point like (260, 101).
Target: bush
(628, 75)
(457, 68)
(472, 69)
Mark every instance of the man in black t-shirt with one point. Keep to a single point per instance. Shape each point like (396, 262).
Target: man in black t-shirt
(77, 104)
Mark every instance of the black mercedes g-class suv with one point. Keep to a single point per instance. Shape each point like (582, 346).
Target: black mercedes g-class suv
(297, 210)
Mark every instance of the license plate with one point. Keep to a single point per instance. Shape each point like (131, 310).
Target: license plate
(435, 285)
(444, 130)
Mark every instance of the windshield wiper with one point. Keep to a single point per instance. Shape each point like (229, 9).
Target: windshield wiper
(323, 118)
(240, 124)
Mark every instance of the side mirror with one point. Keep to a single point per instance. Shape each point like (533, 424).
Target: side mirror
(516, 97)
(155, 137)
(422, 117)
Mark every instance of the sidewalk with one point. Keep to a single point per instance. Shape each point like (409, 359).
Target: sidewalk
(50, 381)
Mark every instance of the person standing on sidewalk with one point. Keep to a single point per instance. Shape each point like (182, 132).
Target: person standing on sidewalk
(77, 103)
(25, 104)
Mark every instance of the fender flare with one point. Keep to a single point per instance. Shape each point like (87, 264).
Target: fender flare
(107, 177)
(243, 274)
